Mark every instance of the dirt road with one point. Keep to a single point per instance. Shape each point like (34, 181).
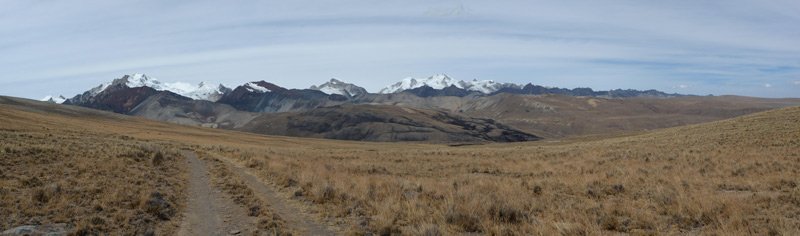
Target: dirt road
(209, 212)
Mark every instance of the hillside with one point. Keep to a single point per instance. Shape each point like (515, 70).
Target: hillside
(558, 116)
(724, 177)
(384, 123)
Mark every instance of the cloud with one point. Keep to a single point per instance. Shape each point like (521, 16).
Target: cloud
(65, 47)
(796, 82)
(767, 85)
(451, 11)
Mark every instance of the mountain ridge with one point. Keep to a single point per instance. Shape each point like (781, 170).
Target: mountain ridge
(335, 86)
(437, 85)
(538, 111)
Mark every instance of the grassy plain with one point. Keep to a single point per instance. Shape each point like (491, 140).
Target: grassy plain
(731, 177)
(92, 178)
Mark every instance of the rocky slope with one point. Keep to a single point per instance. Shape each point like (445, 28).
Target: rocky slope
(339, 87)
(262, 96)
(174, 108)
(385, 123)
(116, 97)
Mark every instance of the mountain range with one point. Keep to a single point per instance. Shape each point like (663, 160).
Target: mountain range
(437, 108)
(436, 85)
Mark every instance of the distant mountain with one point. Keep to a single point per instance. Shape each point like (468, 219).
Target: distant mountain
(247, 96)
(553, 112)
(452, 90)
(58, 100)
(385, 123)
(532, 89)
(442, 81)
(485, 86)
(439, 81)
(123, 94)
(443, 85)
(335, 86)
(170, 107)
(201, 91)
(116, 96)
(262, 96)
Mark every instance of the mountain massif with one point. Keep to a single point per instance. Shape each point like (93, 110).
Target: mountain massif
(434, 109)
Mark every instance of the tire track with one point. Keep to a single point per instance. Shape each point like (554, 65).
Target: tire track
(208, 211)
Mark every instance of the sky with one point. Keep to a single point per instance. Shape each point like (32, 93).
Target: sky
(738, 47)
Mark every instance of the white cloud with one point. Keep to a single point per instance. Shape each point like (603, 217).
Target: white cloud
(796, 82)
(767, 85)
(374, 43)
(451, 11)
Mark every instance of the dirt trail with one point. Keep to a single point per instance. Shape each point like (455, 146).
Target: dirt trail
(209, 212)
(294, 216)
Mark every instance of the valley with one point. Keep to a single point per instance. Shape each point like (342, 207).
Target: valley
(412, 110)
(723, 177)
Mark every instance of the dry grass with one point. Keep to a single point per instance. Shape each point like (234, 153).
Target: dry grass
(730, 177)
(734, 177)
(111, 183)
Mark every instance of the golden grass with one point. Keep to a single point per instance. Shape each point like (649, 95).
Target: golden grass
(93, 183)
(733, 177)
(730, 177)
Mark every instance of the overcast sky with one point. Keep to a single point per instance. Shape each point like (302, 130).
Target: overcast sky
(696, 47)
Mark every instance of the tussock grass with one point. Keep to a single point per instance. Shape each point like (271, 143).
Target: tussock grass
(94, 184)
(729, 177)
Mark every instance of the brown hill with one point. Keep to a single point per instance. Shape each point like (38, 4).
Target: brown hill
(95, 171)
(348, 122)
(174, 108)
(384, 123)
(558, 116)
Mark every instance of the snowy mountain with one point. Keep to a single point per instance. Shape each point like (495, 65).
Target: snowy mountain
(60, 99)
(442, 81)
(201, 91)
(335, 86)
(486, 86)
(262, 96)
(439, 81)
(255, 87)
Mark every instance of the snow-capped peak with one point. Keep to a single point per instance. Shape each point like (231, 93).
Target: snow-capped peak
(253, 87)
(141, 80)
(60, 99)
(335, 86)
(438, 81)
(483, 86)
(442, 81)
(201, 91)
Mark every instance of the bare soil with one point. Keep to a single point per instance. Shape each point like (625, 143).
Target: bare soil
(209, 212)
